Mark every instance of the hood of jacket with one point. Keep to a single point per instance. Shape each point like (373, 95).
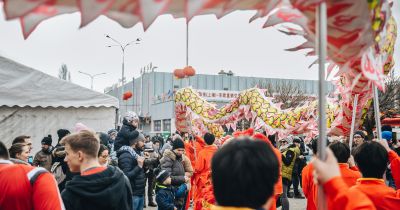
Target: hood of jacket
(106, 188)
(171, 155)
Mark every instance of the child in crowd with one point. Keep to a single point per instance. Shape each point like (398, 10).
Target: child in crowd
(165, 193)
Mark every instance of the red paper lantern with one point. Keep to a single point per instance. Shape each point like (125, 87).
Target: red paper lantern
(127, 95)
(179, 73)
(189, 71)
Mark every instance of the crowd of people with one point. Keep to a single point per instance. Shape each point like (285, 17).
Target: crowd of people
(249, 170)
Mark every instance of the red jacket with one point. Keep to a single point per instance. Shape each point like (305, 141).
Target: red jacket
(384, 197)
(309, 188)
(349, 175)
(341, 197)
(17, 193)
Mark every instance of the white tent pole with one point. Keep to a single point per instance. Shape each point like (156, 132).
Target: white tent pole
(353, 119)
(321, 44)
(377, 114)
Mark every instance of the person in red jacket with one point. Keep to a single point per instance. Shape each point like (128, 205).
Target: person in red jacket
(26, 187)
(372, 159)
(308, 185)
(203, 167)
(338, 195)
(342, 153)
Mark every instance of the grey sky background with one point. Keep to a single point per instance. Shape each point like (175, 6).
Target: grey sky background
(230, 43)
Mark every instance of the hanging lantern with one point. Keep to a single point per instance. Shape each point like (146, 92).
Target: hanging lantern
(189, 71)
(179, 73)
(127, 95)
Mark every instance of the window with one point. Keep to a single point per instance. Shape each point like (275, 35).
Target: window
(167, 125)
(157, 125)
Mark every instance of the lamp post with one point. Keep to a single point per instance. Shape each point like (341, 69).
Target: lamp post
(92, 76)
(123, 47)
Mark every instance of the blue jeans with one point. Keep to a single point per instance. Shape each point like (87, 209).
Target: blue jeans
(138, 202)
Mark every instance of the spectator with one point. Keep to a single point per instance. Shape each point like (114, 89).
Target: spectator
(128, 130)
(19, 153)
(165, 194)
(97, 187)
(151, 162)
(28, 141)
(103, 155)
(60, 168)
(244, 173)
(358, 138)
(289, 155)
(26, 187)
(131, 162)
(44, 157)
(167, 146)
(387, 135)
(178, 165)
(298, 167)
(113, 154)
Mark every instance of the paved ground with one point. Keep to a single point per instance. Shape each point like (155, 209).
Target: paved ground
(295, 204)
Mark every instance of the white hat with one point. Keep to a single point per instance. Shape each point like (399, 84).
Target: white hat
(131, 116)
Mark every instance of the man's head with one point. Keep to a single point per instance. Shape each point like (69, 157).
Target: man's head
(24, 140)
(341, 151)
(61, 133)
(387, 135)
(156, 144)
(46, 143)
(372, 159)
(80, 147)
(244, 173)
(358, 137)
(314, 145)
(297, 141)
(147, 137)
(4, 155)
(112, 134)
(209, 138)
(178, 147)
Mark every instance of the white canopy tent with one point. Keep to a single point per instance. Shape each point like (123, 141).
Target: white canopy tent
(36, 104)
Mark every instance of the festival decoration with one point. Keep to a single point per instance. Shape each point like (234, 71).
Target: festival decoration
(189, 71)
(179, 73)
(127, 95)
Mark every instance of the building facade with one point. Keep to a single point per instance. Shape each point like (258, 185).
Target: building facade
(153, 92)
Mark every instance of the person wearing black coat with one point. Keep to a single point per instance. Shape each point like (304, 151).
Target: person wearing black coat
(131, 162)
(128, 130)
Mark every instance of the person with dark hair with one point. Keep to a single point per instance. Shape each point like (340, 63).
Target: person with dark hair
(178, 165)
(4, 152)
(26, 187)
(165, 194)
(128, 130)
(307, 178)
(298, 167)
(349, 172)
(44, 157)
(131, 162)
(244, 173)
(202, 167)
(24, 140)
(358, 137)
(97, 187)
(103, 155)
(338, 195)
(59, 167)
(372, 159)
(19, 153)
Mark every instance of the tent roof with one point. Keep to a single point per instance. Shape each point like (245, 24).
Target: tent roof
(23, 86)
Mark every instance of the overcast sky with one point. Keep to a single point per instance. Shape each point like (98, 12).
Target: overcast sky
(230, 44)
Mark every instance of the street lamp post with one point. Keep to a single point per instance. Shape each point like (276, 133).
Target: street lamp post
(92, 76)
(123, 47)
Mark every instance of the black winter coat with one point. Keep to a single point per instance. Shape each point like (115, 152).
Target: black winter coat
(129, 165)
(108, 190)
(126, 133)
(165, 198)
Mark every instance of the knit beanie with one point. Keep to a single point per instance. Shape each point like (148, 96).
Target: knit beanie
(178, 144)
(62, 133)
(47, 140)
(362, 134)
(161, 175)
(209, 138)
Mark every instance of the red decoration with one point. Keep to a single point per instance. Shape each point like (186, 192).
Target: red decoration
(189, 71)
(127, 95)
(179, 73)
